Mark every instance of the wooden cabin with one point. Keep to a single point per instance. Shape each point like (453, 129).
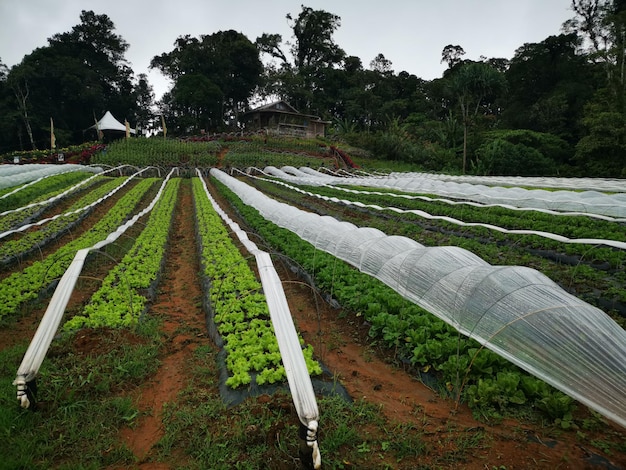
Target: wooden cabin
(283, 119)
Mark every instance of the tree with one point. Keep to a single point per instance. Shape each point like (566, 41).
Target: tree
(601, 152)
(314, 46)
(474, 86)
(79, 74)
(451, 55)
(603, 24)
(381, 65)
(4, 71)
(144, 116)
(8, 112)
(226, 60)
(199, 101)
(548, 85)
(314, 56)
(100, 49)
(22, 93)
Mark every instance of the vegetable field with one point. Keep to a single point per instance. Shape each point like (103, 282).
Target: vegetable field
(255, 304)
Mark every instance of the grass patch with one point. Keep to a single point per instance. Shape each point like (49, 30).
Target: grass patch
(81, 401)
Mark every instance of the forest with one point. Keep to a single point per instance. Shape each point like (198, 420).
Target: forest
(557, 107)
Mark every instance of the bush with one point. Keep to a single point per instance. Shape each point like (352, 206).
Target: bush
(501, 157)
(396, 147)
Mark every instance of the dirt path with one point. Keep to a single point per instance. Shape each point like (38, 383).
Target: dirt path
(179, 304)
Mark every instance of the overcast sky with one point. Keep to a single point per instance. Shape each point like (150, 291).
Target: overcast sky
(410, 33)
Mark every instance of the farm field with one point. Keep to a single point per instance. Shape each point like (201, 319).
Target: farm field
(145, 388)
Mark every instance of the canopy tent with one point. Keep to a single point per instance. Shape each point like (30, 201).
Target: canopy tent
(109, 123)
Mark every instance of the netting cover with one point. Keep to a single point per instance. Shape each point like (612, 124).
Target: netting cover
(591, 201)
(13, 175)
(515, 311)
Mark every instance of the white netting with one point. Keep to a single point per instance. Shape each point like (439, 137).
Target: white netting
(25, 227)
(515, 311)
(553, 236)
(591, 201)
(13, 175)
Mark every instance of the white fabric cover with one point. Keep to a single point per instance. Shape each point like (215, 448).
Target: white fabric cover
(591, 201)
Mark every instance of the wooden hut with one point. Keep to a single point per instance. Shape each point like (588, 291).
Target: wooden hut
(283, 119)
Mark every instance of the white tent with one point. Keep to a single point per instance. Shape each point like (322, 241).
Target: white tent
(109, 123)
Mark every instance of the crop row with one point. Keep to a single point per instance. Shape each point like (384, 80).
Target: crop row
(269, 143)
(567, 226)
(239, 307)
(127, 288)
(159, 152)
(26, 285)
(42, 191)
(25, 242)
(434, 349)
(245, 158)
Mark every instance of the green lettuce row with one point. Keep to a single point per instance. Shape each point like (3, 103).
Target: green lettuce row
(242, 159)
(121, 299)
(21, 287)
(46, 188)
(38, 192)
(24, 242)
(241, 312)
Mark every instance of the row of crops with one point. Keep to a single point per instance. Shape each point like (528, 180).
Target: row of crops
(463, 363)
(520, 330)
(241, 153)
(234, 297)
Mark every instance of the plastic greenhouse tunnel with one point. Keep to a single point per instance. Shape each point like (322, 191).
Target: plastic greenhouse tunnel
(584, 202)
(515, 311)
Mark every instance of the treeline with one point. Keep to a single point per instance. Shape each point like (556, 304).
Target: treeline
(556, 107)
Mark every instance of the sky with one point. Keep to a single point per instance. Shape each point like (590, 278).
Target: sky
(409, 33)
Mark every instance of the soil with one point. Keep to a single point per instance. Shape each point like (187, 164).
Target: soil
(179, 303)
(341, 343)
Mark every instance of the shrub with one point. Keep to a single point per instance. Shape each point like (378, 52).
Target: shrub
(501, 157)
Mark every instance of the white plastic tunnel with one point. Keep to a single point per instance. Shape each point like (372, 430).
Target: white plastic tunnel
(515, 311)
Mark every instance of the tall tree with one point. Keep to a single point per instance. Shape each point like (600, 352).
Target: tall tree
(4, 71)
(474, 86)
(79, 73)
(603, 25)
(144, 116)
(301, 76)
(21, 90)
(225, 65)
(451, 55)
(314, 45)
(8, 109)
(102, 50)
